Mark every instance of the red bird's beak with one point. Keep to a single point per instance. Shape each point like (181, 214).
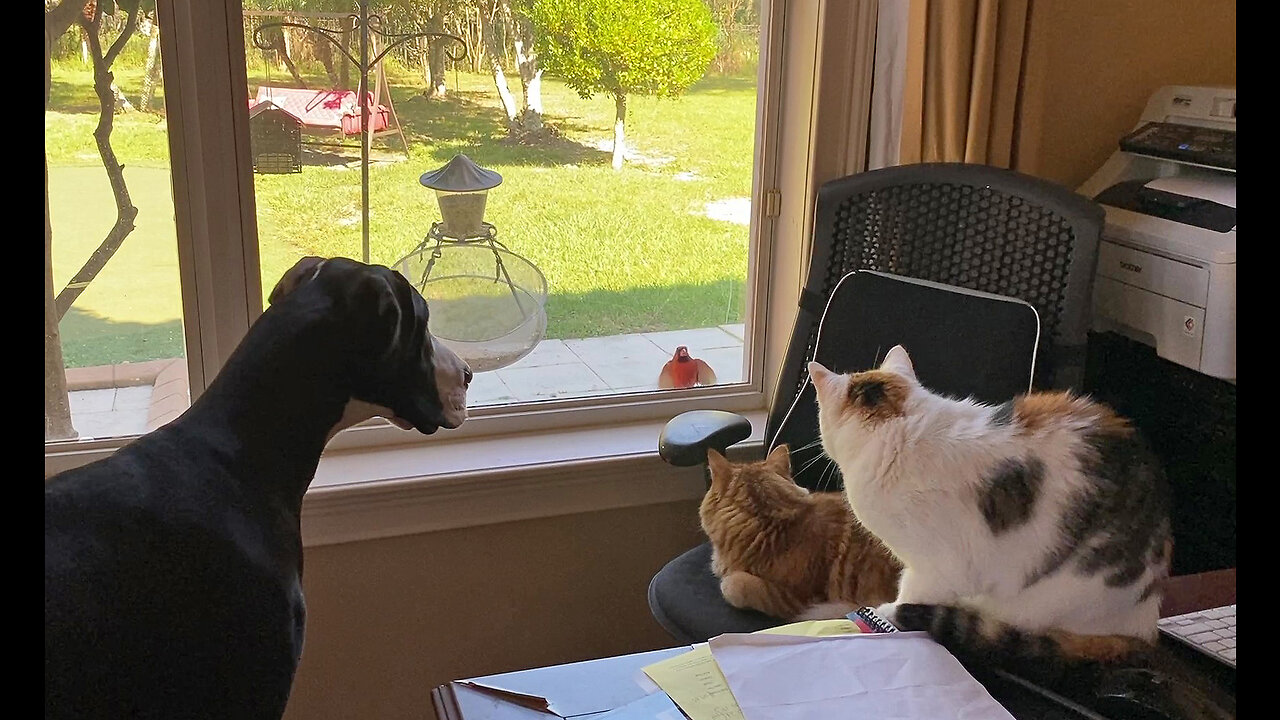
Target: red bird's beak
(682, 353)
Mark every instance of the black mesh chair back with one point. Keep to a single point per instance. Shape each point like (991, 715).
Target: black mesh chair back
(970, 226)
(962, 343)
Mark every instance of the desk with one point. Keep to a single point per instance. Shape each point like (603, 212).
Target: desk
(458, 701)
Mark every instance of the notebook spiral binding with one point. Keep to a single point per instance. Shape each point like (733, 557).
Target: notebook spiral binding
(869, 621)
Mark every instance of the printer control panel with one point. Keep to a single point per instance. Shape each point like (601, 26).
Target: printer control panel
(1214, 147)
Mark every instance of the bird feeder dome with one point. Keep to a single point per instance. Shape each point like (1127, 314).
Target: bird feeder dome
(461, 188)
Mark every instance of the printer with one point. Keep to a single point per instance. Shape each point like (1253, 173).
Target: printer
(1166, 266)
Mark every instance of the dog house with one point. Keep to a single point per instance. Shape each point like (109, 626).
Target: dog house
(275, 139)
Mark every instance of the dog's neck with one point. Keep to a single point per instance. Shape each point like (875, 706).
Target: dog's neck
(280, 397)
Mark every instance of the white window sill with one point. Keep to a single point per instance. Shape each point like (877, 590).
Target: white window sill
(361, 494)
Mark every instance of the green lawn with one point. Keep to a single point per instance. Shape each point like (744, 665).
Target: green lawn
(622, 252)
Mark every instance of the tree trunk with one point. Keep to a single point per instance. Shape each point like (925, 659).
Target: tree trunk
(282, 47)
(324, 53)
(151, 74)
(122, 103)
(344, 73)
(57, 406)
(424, 48)
(494, 56)
(435, 51)
(619, 130)
(530, 76)
(125, 211)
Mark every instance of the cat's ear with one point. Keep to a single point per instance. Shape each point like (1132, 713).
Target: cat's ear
(779, 460)
(824, 381)
(899, 362)
(719, 466)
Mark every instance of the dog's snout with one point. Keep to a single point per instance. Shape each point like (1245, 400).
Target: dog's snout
(466, 376)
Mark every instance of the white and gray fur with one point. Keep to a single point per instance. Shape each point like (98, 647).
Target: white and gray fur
(1046, 513)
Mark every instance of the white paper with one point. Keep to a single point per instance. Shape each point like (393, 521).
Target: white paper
(891, 676)
(580, 688)
(1214, 188)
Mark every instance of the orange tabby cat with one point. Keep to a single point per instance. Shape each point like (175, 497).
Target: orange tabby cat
(785, 551)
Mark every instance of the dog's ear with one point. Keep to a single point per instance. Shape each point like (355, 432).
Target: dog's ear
(302, 272)
(379, 294)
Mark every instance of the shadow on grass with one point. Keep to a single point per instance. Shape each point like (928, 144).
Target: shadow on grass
(605, 312)
(462, 122)
(88, 339)
(716, 84)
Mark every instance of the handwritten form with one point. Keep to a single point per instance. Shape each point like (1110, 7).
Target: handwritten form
(695, 682)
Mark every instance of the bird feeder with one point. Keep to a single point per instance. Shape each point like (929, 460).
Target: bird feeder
(462, 188)
(275, 139)
(487, 303)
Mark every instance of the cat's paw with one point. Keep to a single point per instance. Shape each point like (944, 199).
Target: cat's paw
(739, 589)
(888, 611)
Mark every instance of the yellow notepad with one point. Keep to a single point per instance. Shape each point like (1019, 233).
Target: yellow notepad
(694, 682)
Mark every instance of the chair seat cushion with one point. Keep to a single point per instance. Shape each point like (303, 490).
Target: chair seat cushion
(685, 599)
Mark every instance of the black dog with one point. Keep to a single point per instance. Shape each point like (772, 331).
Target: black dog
(173, 568)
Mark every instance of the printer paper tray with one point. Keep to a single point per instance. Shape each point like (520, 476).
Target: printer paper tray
(1176, 328)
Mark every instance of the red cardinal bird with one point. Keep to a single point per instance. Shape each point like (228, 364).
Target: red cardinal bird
(684, 371)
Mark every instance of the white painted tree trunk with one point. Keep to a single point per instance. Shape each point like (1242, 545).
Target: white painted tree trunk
(619, 129)
(151, 74)
(494, 54)
(504, 92)
(530, 77)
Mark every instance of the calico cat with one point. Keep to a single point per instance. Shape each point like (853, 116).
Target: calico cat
(1038, 528)
(786, 552)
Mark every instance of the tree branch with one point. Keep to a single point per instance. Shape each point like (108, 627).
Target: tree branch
(130, 24)
(125, 211)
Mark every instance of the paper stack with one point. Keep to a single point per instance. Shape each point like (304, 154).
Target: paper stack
(822, 669)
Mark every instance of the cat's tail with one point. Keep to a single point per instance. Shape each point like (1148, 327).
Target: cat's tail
(825, 611)
(1047, 657)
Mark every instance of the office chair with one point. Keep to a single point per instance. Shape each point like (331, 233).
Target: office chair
(983, 274)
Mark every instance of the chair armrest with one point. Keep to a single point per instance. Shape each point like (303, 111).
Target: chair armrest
(685, 439)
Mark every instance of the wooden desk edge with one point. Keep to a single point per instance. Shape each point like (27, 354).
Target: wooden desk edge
(1187, 593)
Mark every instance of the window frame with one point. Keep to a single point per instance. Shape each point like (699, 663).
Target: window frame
(804, 135)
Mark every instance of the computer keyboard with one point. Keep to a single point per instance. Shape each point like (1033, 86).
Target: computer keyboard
(1211, 631)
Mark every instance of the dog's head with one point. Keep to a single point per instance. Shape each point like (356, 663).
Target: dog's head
(397, 369)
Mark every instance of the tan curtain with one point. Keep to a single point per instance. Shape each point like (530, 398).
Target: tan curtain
(964, 64)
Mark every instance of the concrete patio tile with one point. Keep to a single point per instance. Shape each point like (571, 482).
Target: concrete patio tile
(547, 352)
(110, 424)
(695, 339)
(634, 374)
(488, 389)
(727, 362)
(739, 331)
(133, 398)
(601, 351)
(551, 381)
(91, 401)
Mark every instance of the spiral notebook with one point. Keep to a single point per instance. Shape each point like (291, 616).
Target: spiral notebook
(869, 622)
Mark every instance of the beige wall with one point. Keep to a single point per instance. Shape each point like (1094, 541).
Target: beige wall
(1091, 66)
(387, 620)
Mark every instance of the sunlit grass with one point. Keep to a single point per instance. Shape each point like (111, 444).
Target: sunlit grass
(622, 251)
